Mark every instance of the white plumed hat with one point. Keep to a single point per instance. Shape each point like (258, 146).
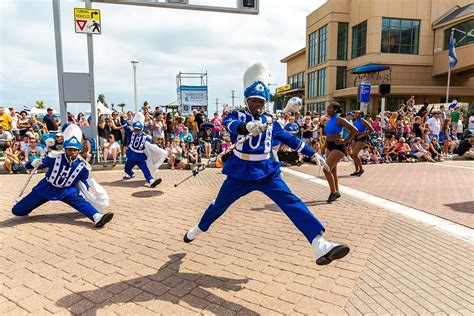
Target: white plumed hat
(256, 82)
(139, 120)
(72, 137)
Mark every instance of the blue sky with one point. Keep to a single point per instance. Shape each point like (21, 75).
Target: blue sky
(164, 41)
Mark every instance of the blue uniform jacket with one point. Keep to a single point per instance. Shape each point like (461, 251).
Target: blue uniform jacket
(61, 178)
(261, 144)
(136, 149)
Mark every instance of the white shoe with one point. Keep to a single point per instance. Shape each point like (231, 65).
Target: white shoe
(192, 234)
(101, 219)
(327, 251)
(126, 176)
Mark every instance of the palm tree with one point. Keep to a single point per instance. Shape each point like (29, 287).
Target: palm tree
(40, 104)
(101, 98)
(121, 105)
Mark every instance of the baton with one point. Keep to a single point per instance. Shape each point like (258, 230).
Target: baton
(200, 168)
(26, 183)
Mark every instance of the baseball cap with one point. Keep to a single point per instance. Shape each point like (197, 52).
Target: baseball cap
(59, 134)
(11, 108)
(49, 109)
(350, 113)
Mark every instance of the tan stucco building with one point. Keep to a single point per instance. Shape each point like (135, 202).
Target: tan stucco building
(411, 37)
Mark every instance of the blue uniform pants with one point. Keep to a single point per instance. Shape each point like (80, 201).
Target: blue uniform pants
(143, 167)
(277, 190)
(34, 200)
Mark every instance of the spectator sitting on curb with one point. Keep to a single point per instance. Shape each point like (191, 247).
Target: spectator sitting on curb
(6, 138)
(86, 149)
(111, 150)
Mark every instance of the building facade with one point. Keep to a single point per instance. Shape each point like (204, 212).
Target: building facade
(411, 37)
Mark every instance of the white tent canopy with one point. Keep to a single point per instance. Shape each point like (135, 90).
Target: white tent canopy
(44, 111)
(103, 109)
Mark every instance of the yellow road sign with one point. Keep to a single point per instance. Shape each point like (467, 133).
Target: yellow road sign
(87, 21)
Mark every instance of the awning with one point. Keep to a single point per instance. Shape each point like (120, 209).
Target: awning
(370, 68)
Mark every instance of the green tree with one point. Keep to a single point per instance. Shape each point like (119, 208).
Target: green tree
(40, 104)
(101, 98)
(121, 105)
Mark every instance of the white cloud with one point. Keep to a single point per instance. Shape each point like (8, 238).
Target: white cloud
(165, 42)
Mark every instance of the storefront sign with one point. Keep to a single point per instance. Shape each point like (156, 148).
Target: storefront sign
(283, 88)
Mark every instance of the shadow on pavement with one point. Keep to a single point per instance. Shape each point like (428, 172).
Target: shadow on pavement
(275, 208)
(124, 183)
(168, 284)
(464, 207)
(61, 218)
(146, 194)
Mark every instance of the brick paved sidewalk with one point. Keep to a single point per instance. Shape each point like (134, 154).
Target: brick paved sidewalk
(253, 260)
(444, 190)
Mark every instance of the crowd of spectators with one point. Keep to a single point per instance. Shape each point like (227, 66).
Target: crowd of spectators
(406, 135)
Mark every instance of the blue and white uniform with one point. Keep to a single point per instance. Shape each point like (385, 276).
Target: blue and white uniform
(136, 155)
(59, 184)
(252, 168)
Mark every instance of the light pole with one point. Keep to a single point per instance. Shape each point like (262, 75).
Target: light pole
(134, 62)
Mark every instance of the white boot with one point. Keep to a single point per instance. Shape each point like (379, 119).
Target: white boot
(192, 234)
(327, 251)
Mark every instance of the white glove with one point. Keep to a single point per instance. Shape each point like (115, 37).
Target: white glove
(36, 163)
(254, 128)
(321, 162)
(50, 142)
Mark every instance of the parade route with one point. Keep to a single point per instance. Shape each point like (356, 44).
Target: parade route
(252, 261)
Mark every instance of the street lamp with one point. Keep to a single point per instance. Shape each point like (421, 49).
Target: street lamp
(134, 62)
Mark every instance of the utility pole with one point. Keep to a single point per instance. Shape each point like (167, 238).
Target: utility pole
(233, 97)
(217, 105)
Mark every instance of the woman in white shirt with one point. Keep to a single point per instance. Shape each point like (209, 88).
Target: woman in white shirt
(418, 151)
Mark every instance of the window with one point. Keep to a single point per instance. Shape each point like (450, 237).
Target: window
(312, 50)
(312, 84)
(359, 39)
(342, 29)
(323, 34)
(400, 36)
(458, 36)
(300, 82)
(321, 82)
(311, 107)
(321, 107)
(341, 78)
(290, 79)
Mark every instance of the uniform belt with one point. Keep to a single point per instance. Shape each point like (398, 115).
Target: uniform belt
(251, 157)
(138, 151)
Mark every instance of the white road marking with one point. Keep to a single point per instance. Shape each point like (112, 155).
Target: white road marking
(444, 225)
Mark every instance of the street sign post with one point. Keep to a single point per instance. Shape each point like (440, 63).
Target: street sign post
(87, 21)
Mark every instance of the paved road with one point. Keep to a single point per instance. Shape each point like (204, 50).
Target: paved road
(253, 260)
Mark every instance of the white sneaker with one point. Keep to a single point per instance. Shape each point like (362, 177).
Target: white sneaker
(101, 219)
(327, 251)
(126, 176)
(192, 234)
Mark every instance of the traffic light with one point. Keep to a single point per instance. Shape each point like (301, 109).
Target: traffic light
(248, 3)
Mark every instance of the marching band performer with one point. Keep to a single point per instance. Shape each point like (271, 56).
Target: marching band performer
(143, 153)
(66, 180)
(251, 168)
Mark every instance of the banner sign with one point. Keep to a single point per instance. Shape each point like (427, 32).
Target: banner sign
(364, 92)
(283, 88)
(192, 97)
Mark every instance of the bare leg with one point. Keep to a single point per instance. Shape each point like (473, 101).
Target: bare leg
(355, 155)
(114, 155)
(332, 158)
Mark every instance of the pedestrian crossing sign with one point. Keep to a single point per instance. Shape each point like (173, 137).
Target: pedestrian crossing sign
(87, 21)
